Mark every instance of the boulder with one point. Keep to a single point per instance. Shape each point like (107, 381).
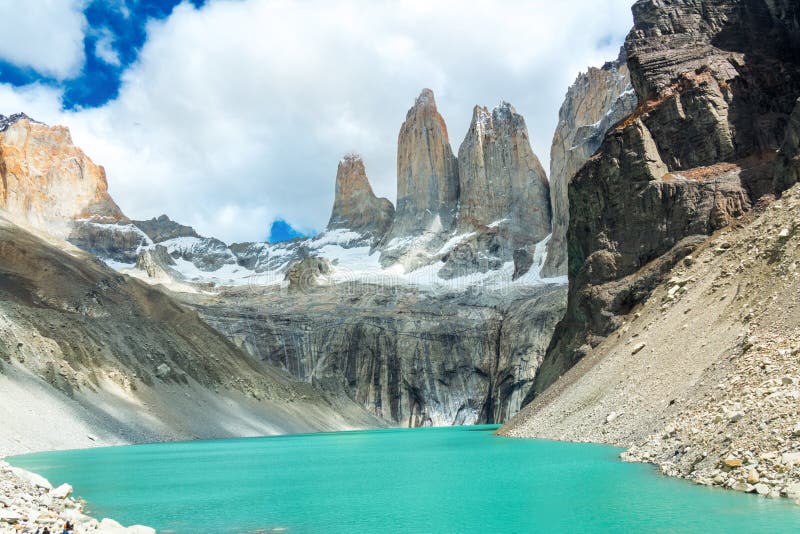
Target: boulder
(32, 478)
(10, 516)
(61, 492)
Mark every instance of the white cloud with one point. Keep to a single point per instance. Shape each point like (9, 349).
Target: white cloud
(45, 35)
(104, 47)
(238, 113)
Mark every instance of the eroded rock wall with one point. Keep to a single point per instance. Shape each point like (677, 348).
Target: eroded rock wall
(716, 82)
(599, 98)
(407, 357)
(46, 181)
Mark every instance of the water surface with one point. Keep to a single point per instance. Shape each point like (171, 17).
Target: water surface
(439, 480)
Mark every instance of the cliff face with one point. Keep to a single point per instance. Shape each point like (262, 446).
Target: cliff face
(408, 357)
(501, 178)
(427, 176)
(597, 100)
(697, 153)
(45, 180)
(355, 206)
(705, 370)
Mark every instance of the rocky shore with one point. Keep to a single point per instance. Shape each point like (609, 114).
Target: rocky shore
(28, 501)
(703, 378)
(743, 431)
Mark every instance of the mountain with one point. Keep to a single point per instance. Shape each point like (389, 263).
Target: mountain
(432, 314)
(599, 99)
(103, 359)
(355, 206)
(680, 327)
(427, 173)
(500, 176)
(695, 155)
(419, 320)
(46, 180)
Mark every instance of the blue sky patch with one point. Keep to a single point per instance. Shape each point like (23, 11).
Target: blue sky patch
(283, 231)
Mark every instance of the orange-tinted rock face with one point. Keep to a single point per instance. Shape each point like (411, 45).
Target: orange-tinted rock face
(427, 171)
(356, 207)
(47, 181)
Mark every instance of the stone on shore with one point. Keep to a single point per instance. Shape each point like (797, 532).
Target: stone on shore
(32, 478)
(61, 492)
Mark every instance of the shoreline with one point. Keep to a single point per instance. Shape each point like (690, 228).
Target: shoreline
(632, 454)
(29, 501)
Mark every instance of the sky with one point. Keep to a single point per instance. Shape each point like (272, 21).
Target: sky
(230, 115)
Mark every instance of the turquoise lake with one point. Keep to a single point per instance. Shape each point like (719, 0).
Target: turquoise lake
(439, 480)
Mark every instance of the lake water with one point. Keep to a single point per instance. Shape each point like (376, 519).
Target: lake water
(438, 480)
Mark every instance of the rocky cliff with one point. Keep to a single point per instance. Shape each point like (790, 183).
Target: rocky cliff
(599, 99)
(46, 181)
(703, 376)
(698, 152)
(427, 179)
(355, 206)
(408, 356)
(500, 178)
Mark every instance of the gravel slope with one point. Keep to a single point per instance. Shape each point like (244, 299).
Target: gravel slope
(703, 379)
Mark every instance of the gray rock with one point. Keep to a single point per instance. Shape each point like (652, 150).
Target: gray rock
(500, 178)
(10, 517)
(412, 358)
(596, 101)
(163, 228)
(664, 176)
(61, 492)
(163, 370)
(305, 274)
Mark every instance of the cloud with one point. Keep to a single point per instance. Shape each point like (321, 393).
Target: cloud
(104, 48)
(236, 114)
(45, 35)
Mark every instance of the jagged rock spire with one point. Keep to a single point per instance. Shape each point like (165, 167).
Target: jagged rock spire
(500, 177)
(356, 207)
(427, 171)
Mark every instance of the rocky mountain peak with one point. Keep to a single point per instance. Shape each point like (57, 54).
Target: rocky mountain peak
(597, 100)
(481, 117)
(355, 206)
(162, 228)
(425, 98)
(5, 122)
(48, 181)
(427, 172)
(500, 177)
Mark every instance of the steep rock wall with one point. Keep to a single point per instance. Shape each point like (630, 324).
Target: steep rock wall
(717, 82)
(597, 100)
(409, 358)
